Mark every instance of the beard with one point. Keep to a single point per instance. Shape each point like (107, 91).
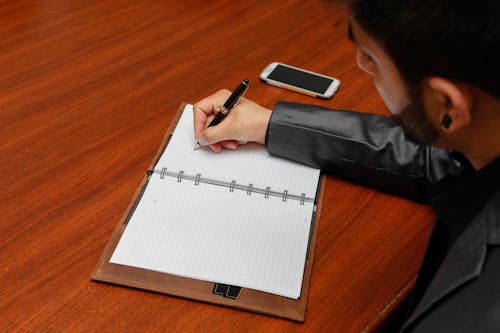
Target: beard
(415, 122)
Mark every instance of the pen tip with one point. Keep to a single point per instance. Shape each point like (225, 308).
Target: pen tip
(196, 146)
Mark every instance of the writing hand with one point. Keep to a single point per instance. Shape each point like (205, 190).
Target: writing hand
(247, 122)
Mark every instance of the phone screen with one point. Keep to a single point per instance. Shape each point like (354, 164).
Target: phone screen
(300, 79)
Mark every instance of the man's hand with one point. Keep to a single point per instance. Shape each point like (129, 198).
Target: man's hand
(246, 122)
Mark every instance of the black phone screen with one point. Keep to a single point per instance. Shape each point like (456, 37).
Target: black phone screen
(300, 79)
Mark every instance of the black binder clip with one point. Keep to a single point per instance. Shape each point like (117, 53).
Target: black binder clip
(197, 179)
(249, 189)
(220, 289)
(231, 187)
(226, 290)
(266, 195)
(232, 292)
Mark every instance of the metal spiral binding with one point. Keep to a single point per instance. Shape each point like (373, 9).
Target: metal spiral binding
(302, 198)
(285, 196)
(179, 175)
(249, 189)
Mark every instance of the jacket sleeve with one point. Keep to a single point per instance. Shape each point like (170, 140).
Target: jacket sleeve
(370, 149)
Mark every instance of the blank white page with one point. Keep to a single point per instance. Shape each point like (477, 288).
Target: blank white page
(249, 164)
(207, 232)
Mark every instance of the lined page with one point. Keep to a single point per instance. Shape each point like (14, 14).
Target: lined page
(249, 164)
(208, 233)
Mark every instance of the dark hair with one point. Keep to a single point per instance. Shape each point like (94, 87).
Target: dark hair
(458, 40)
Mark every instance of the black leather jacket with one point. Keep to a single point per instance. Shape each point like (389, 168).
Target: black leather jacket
(464, 295)
(370, 149)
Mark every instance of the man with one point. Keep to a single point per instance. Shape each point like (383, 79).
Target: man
(435, 63)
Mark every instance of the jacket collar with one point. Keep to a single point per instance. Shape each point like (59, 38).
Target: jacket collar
(465, 259)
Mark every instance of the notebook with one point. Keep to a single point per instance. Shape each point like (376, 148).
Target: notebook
(238, 218)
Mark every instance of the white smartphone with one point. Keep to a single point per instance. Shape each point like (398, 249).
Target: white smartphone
(300, 80)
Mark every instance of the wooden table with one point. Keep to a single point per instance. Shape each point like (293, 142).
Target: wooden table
(87, 90)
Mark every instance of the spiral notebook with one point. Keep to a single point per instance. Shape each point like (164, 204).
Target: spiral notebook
(239, 218)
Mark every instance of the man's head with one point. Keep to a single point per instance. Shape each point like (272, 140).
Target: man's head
(437, 55)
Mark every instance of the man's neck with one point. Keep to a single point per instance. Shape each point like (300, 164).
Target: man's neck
(479, 162)
(481, 146)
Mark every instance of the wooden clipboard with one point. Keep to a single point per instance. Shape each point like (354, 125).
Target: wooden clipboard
(247, 299)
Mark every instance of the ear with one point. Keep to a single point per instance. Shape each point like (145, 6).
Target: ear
(454, 103)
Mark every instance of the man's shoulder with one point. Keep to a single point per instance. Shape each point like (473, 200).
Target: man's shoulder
(464, 296)
(471, 308)
(491, 214)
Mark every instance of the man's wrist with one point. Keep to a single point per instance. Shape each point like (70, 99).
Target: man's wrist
(264, 125)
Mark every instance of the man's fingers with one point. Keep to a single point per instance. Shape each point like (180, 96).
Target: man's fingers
(229, 144)
(200, 119)
(207, 106)
(216, 147)
(222, 132)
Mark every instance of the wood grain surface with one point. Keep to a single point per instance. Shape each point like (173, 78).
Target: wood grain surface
(87, 91)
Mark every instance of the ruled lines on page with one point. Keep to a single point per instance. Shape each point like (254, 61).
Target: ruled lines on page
(209, 233)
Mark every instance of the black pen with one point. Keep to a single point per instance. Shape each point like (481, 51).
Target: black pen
(230, 103)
